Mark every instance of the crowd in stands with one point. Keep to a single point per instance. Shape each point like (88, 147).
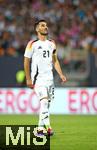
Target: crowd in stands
(72, 23)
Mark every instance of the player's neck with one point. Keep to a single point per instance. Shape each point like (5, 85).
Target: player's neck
(42, 37)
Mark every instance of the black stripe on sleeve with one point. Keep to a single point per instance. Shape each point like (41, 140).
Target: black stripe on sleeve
(35, 77)
(54, 51)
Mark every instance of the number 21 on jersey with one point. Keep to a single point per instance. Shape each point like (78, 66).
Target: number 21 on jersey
(46, 53)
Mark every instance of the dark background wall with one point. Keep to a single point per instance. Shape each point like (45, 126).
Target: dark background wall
(93, 70)
(8, 69)
(9, 66)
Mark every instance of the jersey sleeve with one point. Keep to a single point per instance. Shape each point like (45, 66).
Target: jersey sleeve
(29, 50)
(54, 46)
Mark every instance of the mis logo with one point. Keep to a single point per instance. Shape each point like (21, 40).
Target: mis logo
(22, 137)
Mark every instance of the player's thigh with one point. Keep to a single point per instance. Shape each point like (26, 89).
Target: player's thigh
(51, 92)
(41, 92)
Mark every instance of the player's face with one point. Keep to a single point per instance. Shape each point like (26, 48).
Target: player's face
(43, 28)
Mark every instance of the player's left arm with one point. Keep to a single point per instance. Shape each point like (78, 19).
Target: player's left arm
(57, 66)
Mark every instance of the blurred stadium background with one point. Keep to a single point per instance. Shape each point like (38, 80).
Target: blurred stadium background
(73, 26)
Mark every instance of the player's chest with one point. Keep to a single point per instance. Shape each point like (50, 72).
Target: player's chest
(43, 51)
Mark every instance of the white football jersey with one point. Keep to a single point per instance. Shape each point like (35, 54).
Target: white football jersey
(41, 66)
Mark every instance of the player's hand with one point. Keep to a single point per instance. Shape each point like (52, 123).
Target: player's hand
(63, 78)
(30, 83)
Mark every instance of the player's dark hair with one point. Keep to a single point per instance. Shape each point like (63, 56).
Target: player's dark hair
(37, 23)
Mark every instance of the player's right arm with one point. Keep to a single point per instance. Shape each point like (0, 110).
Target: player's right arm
(27, 61)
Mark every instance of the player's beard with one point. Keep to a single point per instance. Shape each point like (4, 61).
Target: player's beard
(45, 34)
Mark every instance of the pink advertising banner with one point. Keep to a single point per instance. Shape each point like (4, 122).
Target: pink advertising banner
(67, 101)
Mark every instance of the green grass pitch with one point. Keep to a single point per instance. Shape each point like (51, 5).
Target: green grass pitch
(72, 132)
